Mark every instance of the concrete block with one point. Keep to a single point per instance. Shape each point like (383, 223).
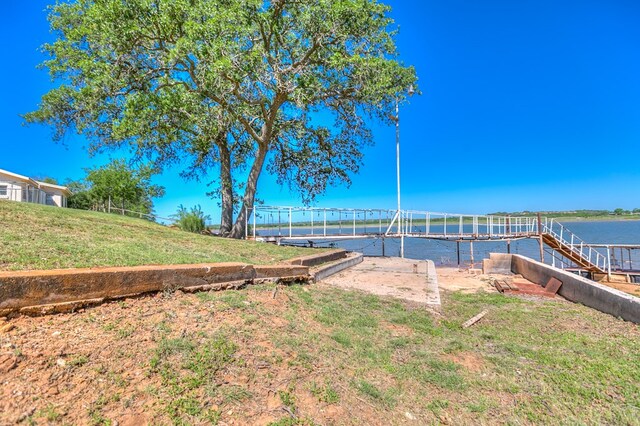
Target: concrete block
(319, 258)
(327, 270)
(498, 263)
(280, 271)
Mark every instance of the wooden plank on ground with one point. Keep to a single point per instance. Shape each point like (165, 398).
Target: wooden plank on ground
(474, 320)
(553, 285)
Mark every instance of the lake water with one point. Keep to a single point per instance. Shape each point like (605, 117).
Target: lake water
(444, 252)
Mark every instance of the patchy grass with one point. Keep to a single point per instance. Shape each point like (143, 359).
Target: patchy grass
(321, 355)
(43, 237)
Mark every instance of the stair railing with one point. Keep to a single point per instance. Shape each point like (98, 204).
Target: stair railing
(576, 245)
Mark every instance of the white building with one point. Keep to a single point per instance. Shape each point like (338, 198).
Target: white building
(15, 187)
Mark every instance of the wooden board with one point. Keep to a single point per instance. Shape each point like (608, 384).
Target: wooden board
(553, 285)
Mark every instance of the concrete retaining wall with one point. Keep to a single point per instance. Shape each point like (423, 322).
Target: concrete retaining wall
(574, 287)
(42, 292)
(498, 263)
(332, 268)
(318, 258)
(34, 292)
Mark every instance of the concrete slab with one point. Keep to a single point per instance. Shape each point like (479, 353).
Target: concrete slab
(406, 279)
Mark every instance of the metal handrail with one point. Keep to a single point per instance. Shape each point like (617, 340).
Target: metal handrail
(577, 245)
(412, 223)
(359, 223)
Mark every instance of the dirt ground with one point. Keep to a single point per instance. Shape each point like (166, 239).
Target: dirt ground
(633, 289)
(299, 355)
(93, 366)
(453, 279)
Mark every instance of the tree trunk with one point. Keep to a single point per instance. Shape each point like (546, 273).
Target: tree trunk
(239, 227)
(226, 188)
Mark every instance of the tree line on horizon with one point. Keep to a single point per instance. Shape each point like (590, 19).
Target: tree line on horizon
(227, 88)
(572, 213)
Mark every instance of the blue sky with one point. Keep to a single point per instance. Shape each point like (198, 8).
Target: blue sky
(526, 105)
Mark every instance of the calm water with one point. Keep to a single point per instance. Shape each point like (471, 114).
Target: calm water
(444, 252)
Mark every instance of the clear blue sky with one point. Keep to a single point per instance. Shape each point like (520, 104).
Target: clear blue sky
(527, 105)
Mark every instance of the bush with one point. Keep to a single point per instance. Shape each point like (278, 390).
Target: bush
(193, 220)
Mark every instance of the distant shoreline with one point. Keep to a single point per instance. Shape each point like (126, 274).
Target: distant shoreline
(596, 218)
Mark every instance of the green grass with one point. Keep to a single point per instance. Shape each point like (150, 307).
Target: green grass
(43, 237)
(185, 365)
(550, 357)
(322, 355)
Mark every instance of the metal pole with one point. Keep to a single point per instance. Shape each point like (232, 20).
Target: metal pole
(246, 224)
(354, 222)
(253, 210)
(427, 224)
(608, 263)
(398, 175)
(324, 223)
(445, 226)
(540, 238)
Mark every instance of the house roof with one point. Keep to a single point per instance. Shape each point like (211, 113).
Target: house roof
(19, 177)
(44, 185)
(37, 184)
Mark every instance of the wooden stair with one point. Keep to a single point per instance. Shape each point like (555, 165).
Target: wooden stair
(572, 254)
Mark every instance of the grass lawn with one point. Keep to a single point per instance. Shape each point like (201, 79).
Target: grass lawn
(321, 355)
(34, 236)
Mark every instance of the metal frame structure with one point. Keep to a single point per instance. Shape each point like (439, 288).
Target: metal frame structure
(275, 223)
(339, 223)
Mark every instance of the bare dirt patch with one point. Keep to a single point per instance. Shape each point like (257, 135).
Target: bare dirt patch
(633, 289)
(454, 279)
(469, 360)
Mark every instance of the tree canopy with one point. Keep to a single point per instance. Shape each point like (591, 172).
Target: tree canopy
(231, 86)
(116, 183)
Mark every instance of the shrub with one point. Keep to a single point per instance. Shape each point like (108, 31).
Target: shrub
(193, 220)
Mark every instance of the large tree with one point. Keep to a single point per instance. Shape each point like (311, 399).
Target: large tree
(233, 85)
